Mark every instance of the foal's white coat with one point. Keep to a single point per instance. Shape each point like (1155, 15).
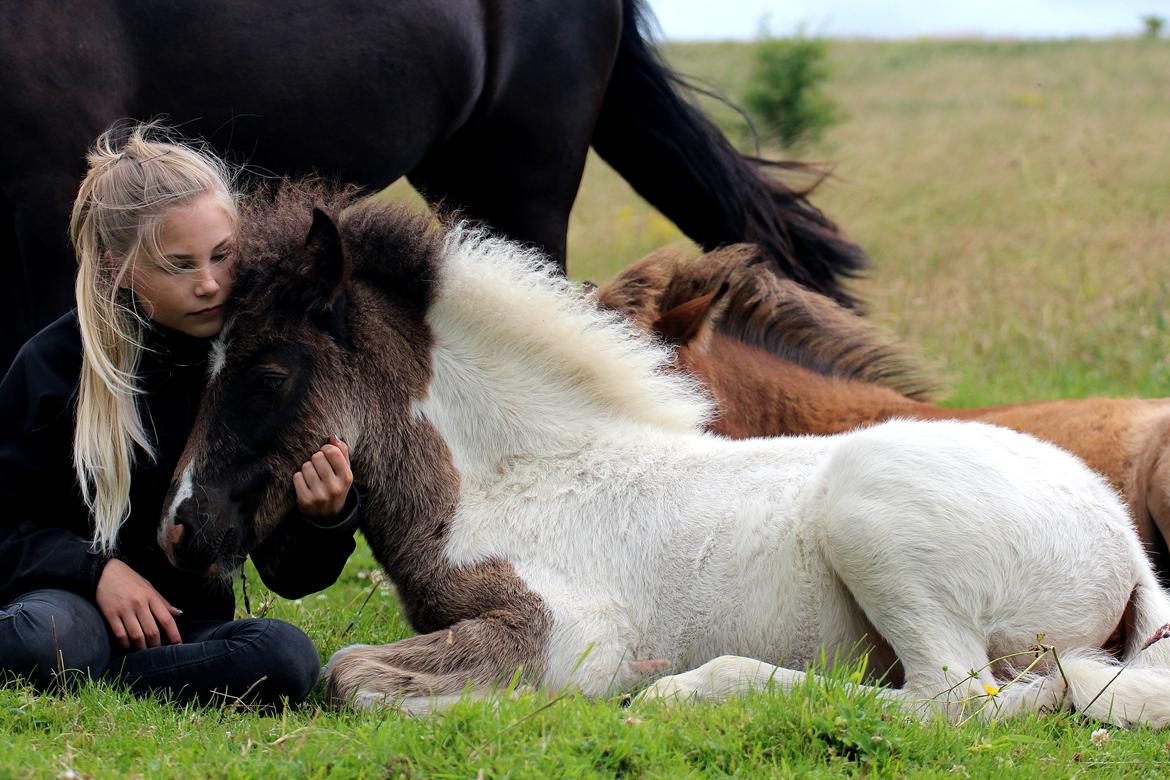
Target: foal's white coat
(582, 464)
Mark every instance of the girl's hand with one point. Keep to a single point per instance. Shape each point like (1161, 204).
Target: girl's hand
(324, 480)
(138, 615)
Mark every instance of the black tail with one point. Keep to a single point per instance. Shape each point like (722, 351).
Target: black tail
(677, 159)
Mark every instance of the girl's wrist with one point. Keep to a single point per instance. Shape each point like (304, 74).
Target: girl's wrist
(346, 519)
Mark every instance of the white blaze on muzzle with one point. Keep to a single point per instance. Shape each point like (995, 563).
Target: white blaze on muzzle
(185, 491)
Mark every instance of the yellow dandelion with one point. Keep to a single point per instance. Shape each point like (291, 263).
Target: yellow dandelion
(990, 690)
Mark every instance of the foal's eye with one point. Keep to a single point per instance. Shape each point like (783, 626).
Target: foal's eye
(272, 380)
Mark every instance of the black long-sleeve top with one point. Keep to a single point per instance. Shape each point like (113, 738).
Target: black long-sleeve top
(45, 527)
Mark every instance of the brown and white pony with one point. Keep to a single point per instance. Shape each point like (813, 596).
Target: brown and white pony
(540, 490)
(780, 360)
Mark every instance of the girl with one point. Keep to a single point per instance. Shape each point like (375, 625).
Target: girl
(94, 413)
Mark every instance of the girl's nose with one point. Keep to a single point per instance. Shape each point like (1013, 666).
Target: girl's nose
(206, 284)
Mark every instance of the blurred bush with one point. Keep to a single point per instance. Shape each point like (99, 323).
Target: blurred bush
(785, 89)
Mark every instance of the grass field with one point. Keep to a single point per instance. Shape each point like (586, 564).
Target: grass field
(1015, 199)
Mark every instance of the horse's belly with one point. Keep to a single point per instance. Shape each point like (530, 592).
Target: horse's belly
(685, 602)
(773, 595)
(653, 557)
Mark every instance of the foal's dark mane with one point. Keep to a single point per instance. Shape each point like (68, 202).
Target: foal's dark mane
(771, 313)
(391, 246)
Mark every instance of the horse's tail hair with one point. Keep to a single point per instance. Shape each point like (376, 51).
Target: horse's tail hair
(676, 158)
(1132, 691)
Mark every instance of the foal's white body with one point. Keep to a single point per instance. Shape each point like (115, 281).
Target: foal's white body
(683, 547)
(582, 465)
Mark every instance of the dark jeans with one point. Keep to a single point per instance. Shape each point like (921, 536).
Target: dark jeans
(260, 660)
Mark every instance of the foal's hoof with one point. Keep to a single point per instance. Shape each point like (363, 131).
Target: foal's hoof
(410, 706)
(373, 701)
(673, 689)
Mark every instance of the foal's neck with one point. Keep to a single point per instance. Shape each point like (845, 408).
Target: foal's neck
(493, 405)
(523, 366)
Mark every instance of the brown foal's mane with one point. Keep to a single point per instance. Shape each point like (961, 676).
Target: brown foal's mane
(771, 313)
(390, 245)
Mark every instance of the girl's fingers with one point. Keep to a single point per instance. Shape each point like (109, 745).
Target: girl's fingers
(312, 481)
(135, 636)
(333, 471)
(302, 490)
(322, 466)
(324, 479)
(311, 499)
(166, 622)
(151, 634)
(338, 463)
(118, 629)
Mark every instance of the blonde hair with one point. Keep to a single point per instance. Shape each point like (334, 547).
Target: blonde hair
(137, 173)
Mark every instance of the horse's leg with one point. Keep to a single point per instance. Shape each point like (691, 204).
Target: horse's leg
(425, 672)
(950, 687)
(518, 192)
(722, 678)
(870, 589)
(679, 160)
(518, 163)
(729, 676)
(917, 607)
(951, 690)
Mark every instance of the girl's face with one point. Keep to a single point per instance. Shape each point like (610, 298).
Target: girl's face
(198, 241)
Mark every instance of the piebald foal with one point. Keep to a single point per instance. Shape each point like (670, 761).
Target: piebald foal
(540, 490)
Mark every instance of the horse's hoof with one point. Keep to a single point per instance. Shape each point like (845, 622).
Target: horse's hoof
(373, 701)
(673, 689)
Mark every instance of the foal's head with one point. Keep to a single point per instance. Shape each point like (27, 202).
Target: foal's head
(285, 373)
(690, 327)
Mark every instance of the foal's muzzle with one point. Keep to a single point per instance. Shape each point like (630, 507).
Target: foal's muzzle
(199, 533)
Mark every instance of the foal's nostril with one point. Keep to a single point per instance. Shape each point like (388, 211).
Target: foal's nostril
(181, 521)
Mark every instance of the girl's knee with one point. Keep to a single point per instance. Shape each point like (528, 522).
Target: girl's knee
(53, 635)
(291, 661)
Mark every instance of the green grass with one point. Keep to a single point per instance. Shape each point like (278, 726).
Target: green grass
(818, 731)
(1014, 197)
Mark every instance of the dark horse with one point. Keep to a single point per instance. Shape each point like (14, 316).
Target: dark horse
(488, 107)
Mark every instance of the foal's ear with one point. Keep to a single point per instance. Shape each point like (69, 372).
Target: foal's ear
(688, 321)
(326, 264)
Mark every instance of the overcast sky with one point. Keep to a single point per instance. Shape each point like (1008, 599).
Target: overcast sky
(740, 19)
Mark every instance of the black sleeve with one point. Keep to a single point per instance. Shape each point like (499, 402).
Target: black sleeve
(43, 522)
(303, 556)
(34, 557)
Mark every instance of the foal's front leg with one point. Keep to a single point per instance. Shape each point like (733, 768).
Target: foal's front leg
(731, 676)
(426, 672)
(725, 677)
